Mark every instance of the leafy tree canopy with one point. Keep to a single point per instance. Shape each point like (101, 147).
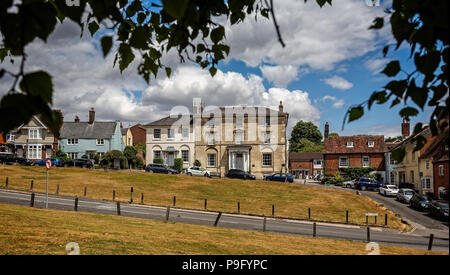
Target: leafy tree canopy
(304, 135)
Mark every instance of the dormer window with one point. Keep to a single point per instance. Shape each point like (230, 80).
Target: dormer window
(371, 143)
(100, 141)
(11, 138)
(349, 144)
(34, 134)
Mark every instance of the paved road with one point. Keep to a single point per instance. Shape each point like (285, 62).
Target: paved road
(421, 220)
(346, 232)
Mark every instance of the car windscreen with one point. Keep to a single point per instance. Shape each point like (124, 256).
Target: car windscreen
(443, 205)
(409, 193)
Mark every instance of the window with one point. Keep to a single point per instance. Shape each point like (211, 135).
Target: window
(239, 137)
(413, 155)
(426, 183)
(11, 138)
(34, 134)
(427, 164)
(170, 133)
(267, 121)
(34, 152)
(267, 159)
(185, 155)
(392, 160)
(211, 160)
(267, 138)
(442, 192)
(156, 154)
(317, 163)
(185, 133)
(441, 170)
(129, 141)
(100, 141)
(73, 155)
(349, 144)
(371, 143)
(72, 141)
(211, 123)
(156, 133)
(239, 122)
(365, 161)
(343, 162)
(211, 139)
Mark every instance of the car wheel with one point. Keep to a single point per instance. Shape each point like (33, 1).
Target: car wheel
(189, 174)
(363, 188)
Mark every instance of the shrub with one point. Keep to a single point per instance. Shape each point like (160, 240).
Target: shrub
(178, 164)
(158, 160)
(357, 172)
(197, 163)
(332, 178)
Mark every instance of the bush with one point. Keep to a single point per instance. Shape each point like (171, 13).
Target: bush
(158, 160)
(197, 163)
(178, 164)
(357, 172)
(333, 178)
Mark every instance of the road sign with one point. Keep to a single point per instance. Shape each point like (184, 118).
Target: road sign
(48, 164)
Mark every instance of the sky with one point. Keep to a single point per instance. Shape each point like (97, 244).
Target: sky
(331, 61)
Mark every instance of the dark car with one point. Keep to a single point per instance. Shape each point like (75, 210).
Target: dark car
(7, 158)
(160, 168)
(83, 163)
(24, 161)
(439, 209)
(55, 162)
(419, 202)
(239, 174)
(283, 177)
(368, 184)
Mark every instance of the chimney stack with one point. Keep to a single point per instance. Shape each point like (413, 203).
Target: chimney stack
(405, 128)
(77, 119)
(280, 108)
(91, 116)
(327, 130)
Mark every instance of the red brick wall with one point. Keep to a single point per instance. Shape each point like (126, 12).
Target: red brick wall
(440, 180)
(301, 165)
(332, 161)
(139, 135)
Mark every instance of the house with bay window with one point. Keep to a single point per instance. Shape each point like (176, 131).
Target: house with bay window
(78, 139)
(32, 140)
(354, 151)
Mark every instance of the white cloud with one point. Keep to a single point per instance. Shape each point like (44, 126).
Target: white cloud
(281, 76)
(338, 82)
(376, 65)
(336, 103)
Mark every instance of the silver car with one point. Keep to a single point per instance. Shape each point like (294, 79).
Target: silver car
(197, 171)
(388, 190)
(404, 195)
(349, 184)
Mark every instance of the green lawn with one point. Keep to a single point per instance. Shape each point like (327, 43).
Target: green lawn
(26, 230)
(255, 197)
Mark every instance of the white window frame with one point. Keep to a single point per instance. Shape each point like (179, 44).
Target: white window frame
(371, 143)
(267, 121)
(266, 137)
(34, 133)
(211, 123)
(72, 141)
(170, 133)
(11, 138)
(347, 161)
(349, 144)
(100, 142)
(157, 152)
(211, 139)
(72, 155)
(365, 163)
(427, 164)
(158, 130)
(185, 133)
(34, 152)
(317, 163)
(185, 157)
(239, 137)
(239, 119)
(441, 170)
(426, 183)
(267, 162)
(214, 160)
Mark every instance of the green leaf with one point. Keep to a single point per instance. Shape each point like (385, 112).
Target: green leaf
(408, 112)
(93, 27)
(355, 113)
(377, 23)
(417, 94)
(38, 84)
(106, 42)
(392, 68)
(126, 56)
(168, 72)
(175, 8)
(140, 37)
(398, 154)
(217, 34)
(212, 71)
(133, 8)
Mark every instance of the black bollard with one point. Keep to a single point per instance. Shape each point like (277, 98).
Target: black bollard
(76, 204)
(32, 200)
(118, 208)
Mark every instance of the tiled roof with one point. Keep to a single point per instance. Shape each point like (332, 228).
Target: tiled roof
(301, 156)
(90, 131)
(166, 121)
(124, 131)
(338, 145)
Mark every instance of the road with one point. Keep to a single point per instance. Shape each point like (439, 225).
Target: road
(304, 228)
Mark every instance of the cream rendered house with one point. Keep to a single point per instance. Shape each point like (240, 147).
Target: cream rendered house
(170, 138)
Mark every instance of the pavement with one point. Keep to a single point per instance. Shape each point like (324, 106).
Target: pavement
(284, 226)
(423, 223)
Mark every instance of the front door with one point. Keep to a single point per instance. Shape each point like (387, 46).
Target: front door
(239, 161)
(170, 158)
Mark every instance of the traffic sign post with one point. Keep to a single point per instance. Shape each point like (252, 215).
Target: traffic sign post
(48, 165)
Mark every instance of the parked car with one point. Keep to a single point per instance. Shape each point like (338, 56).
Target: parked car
(368, 184)
(388, 190)
(419, 202)
(7, 158)
(83, 163)
(439, 209)
(239, 174)
(349, 184)
(160, 168)
(283, 177)
(55, 162)
(198, 171)
(404, 194)
(318, 177)
(24, 161)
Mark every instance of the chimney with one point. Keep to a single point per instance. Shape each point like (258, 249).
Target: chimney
(405, 128)
(121, 125)
(327, 130)
(91, 116)
(280, 108)
(77, 119)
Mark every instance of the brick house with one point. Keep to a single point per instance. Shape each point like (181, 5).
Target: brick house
(353, 151)
(305, 165)
(2, 143)
(139, 134)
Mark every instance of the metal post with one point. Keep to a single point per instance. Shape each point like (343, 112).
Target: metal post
(375, 219)
(264, 224)
(85, 191)
(32, 200)
(76, 203)
(168, 213)
(131, 195)
(118, 208)
(57, 189)
(430, 243)
(206, 204)
(217, 219)
(174, 200)
(367, 219)
(309, 213)
(142, 198)
(385, 219)
(31, 185)
(6, 184)
(114, 195)
(46, 193)
(346, 216)
(239, 207)
(368, 234)
(314, 229)
(273, 210)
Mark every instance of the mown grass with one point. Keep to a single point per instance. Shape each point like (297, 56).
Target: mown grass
(255, 197)
(26, 230)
